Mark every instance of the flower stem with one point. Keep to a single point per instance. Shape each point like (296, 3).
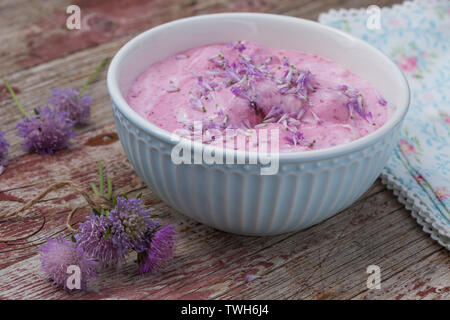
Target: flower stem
(19, 105)
(94, 188)
(89, 79)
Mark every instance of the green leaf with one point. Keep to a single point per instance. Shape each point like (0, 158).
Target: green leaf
(73, 238)
(96, 212)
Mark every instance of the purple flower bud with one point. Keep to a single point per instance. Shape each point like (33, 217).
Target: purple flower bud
(57, 255)
(47, 132)
(160, 251)
(78, 108)
(94, 237)
(131, 224)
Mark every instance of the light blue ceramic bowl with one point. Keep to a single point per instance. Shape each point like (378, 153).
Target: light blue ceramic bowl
(310, 186)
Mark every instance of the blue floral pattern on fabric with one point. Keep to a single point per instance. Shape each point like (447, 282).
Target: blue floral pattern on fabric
(416, 35)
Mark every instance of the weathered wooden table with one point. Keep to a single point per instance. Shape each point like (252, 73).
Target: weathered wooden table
(327, 261)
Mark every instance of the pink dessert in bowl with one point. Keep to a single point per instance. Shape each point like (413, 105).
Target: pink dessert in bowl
(171, 76)
(237, 89)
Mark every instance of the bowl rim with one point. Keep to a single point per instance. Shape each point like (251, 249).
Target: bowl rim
(325, 153)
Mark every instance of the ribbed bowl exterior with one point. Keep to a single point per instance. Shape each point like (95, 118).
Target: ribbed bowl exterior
(237, 199)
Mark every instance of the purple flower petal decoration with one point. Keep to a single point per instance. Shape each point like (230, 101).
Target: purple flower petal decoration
(160, 251)
(78, 108)
(296, 82)
(238, 92)
(380, 99)
(196, 103)
(237, 45)
(316, 117)
(295, 138)
(219, 61)
(275, 112)
(48, 131)
(57, 255)
(355, 103)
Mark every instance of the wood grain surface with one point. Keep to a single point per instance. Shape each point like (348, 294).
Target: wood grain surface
(326, 261)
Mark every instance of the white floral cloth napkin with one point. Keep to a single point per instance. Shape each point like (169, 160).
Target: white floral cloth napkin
(416, 35)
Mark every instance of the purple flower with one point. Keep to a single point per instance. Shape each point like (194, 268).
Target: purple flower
(238, 92)
(218, 60)
(94, 237)
(160, 252)
(46, 132)
(57, 255)
(250, 69)
(237, 45)
(274, 114)
(3, 151)
(355, 102)
(77, 107)
(297, 83)
(196, 103)
(231, 75)
(205, 88)
(131, 224)
(295, 138)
